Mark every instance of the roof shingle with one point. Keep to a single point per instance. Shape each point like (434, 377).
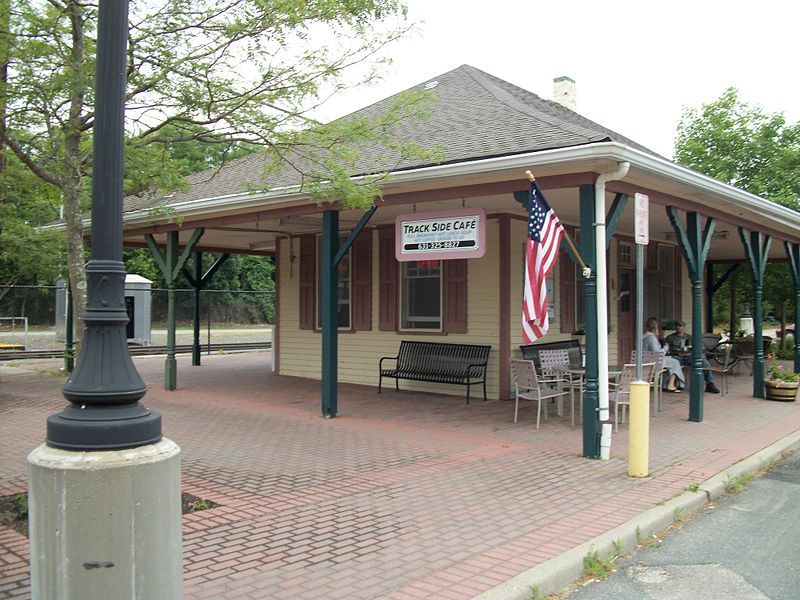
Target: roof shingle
(475, 116)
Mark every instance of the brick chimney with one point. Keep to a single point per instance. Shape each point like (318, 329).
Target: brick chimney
(564, 92)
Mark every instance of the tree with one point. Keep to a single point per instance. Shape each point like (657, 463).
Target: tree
(27, 254)
(217, 72)
(744, 146)
(759, 152)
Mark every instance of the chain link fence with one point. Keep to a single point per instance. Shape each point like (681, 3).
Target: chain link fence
(33, 317)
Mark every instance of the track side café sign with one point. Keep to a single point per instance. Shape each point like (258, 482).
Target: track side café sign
(441, 235)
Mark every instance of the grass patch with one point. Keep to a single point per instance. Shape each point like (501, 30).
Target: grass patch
(536, 593)
(734, 485)
(693, 488)
(597, 566)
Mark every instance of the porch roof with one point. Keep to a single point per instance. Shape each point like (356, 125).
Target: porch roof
(492, 131)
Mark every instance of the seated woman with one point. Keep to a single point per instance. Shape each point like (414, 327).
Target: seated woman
(652, 342)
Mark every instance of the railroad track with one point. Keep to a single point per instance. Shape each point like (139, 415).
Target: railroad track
(142, 350)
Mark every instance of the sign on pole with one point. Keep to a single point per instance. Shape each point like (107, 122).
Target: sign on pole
(642, 218)
(641, 204)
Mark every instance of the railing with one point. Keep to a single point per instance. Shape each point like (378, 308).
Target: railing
(227, 317)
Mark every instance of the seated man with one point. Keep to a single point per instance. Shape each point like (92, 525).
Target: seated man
(679, 342)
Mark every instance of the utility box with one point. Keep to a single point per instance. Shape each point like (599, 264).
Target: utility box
(138, 299)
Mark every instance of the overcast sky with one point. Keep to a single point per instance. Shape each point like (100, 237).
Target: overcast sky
(636, 63)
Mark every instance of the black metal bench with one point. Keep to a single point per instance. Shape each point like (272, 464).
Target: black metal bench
(573, 348)
(460, 364)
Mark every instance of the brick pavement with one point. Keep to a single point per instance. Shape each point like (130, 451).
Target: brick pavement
(404, 495)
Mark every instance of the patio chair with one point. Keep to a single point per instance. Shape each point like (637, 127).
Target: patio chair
(724, 369)
(621, 390)
(528, 387)
(657, 358)
(555, 369)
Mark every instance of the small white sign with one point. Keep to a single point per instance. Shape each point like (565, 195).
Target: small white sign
(641, 218)
(441, 235)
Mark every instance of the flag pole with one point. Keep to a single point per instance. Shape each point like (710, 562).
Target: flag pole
(586, 271)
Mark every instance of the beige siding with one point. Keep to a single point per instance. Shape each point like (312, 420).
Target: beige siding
(360, 352)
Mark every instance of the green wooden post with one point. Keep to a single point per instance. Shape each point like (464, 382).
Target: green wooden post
(591, 419)
(198, 282)
(793, 253)
(712, 287)
(612, 218)
(171, 265)
(709, 297)
(330, 321)
(170, 365)
(756, 245)
(694, 243)
(198, 277)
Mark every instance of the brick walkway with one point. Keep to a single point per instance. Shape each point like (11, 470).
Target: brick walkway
(403, 496)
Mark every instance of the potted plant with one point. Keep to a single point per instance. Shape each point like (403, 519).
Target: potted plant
(781, 384)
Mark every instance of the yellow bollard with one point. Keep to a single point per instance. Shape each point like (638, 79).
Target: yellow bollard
(639, 430)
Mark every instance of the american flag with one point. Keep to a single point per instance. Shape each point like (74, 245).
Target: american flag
(541, 251)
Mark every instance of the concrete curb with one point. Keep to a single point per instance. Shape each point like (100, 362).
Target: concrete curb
(557, 573)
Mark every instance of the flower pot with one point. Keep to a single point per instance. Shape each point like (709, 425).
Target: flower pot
(783, 391)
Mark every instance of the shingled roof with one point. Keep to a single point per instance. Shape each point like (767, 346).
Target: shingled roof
(476, 116)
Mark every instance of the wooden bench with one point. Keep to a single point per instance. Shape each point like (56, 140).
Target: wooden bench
(460, 364)
(573, 347)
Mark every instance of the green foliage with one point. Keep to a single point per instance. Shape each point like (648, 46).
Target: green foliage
(536, 593)
(21, 504)
(327, 155)
(140, 262)
(206, 81)
(744, 146)
(201, 504)
(28, 256)
(777, 372)
(597, 566)
(759, 152)
(736, 484)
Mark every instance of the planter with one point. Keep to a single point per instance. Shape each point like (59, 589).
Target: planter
(783, 391)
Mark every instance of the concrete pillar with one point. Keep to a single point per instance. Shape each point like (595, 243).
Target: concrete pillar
(106, 524)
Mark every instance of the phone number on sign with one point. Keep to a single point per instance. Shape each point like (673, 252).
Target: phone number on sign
(437, 245)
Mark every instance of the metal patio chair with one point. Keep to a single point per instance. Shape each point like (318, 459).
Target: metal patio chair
(724, 369)
(621, 390)
(555, 368)
(528, 387)
(657, 358)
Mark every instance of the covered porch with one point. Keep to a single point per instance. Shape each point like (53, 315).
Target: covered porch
(406, 494)
(341, 287)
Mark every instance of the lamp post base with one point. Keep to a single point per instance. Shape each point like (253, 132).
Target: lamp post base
(106, 524)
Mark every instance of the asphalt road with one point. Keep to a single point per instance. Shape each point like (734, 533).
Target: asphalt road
(747, 547)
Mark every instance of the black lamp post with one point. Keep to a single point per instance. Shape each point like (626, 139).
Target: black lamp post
(105, 388)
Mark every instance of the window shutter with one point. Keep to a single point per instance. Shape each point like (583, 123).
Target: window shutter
(454, 274)
(678, 283)
(566, 287)
(362, 281)
(387, 280)
(308, 270)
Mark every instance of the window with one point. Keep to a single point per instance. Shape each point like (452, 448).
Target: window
(343, 296)
(625, 253)
(660, 285)
(421, 295)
